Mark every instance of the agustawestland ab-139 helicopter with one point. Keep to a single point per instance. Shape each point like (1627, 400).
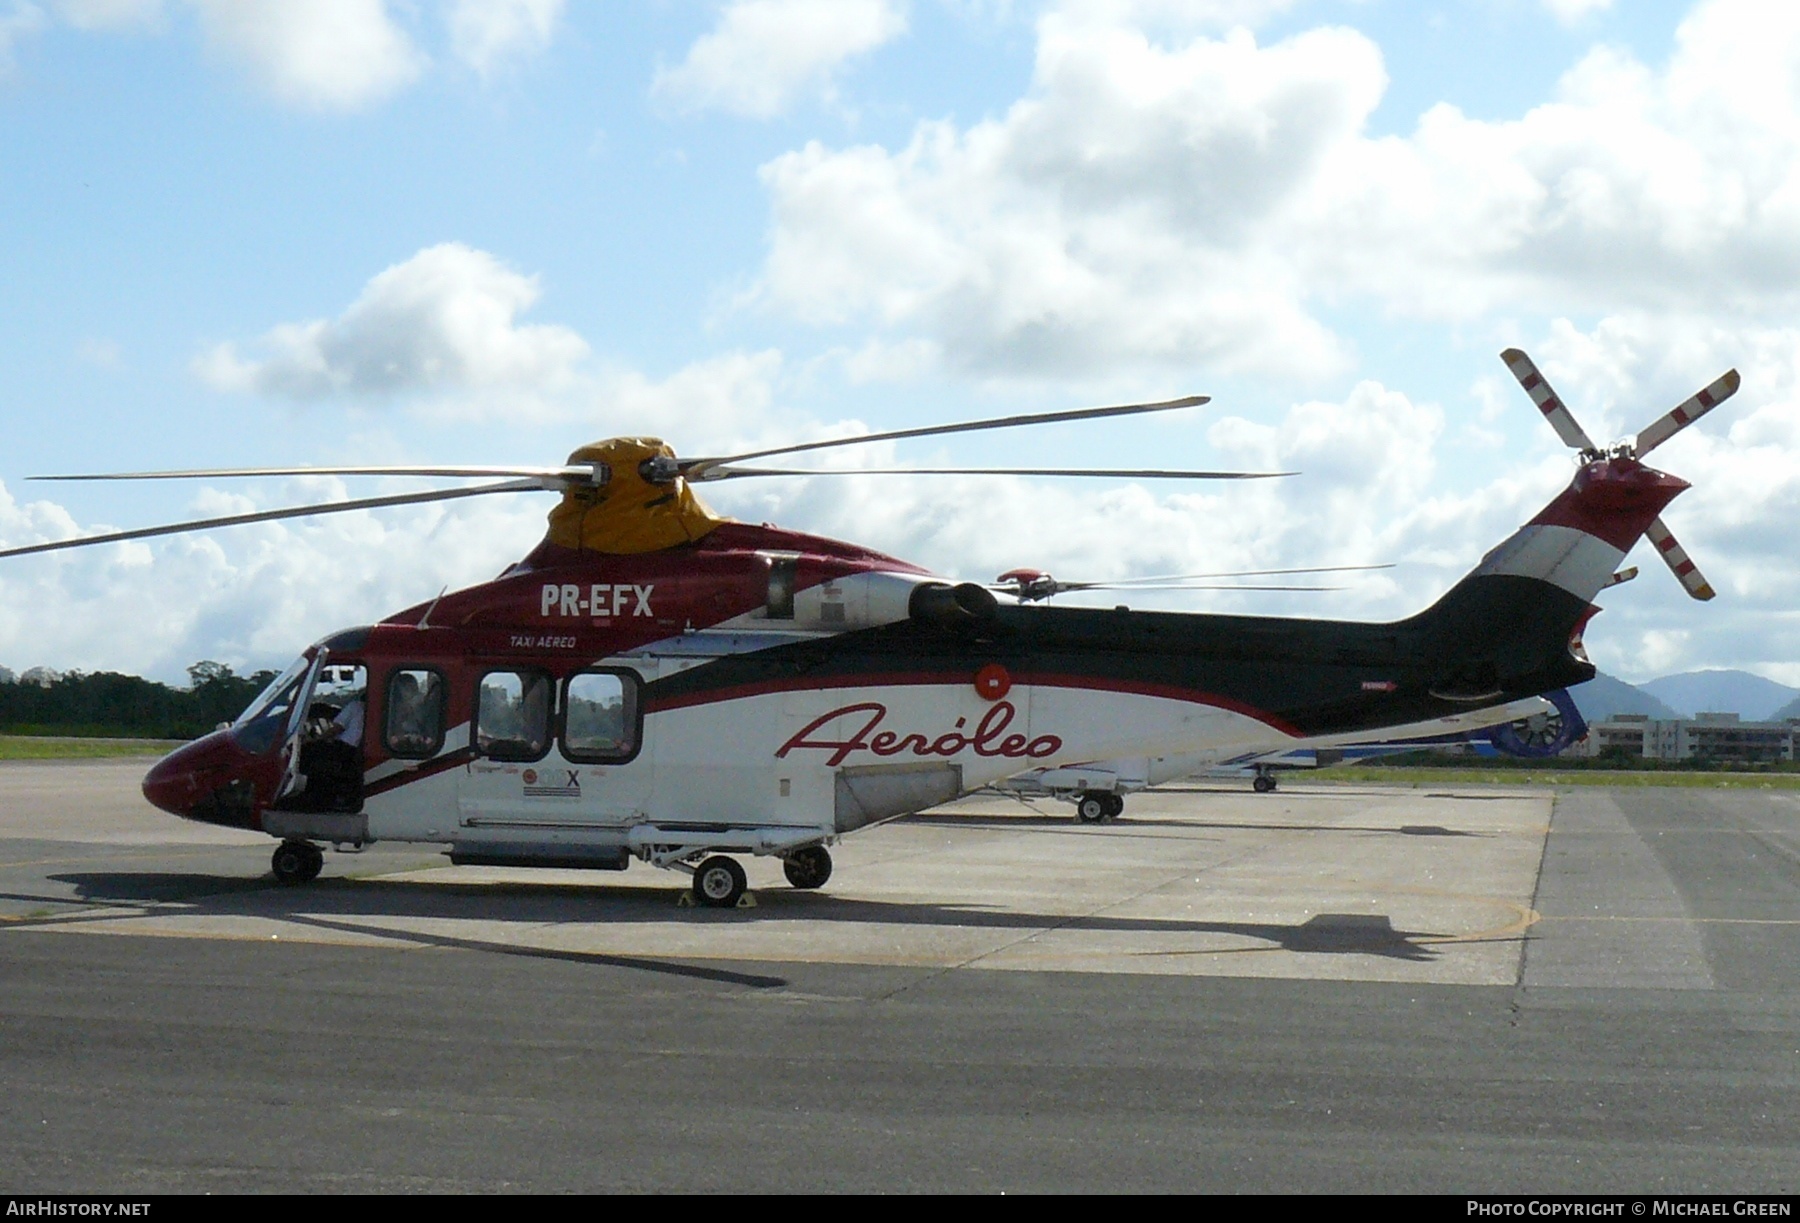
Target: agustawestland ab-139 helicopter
(654, 682)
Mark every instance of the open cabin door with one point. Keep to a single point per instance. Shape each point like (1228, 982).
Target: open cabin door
(296, 726)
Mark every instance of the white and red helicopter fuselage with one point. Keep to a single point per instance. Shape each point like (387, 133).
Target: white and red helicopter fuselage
(760, 691)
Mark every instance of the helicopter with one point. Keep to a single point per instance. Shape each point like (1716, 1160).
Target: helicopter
(655, 683)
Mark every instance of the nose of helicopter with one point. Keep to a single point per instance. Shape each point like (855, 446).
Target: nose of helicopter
(200, 781)
(173, 784)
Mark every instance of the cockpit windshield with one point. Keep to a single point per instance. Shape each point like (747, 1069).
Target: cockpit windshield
(278, 697)
(263, 721)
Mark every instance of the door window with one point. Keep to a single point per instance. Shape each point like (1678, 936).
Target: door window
(414, 726)
(512, 715)
(601, 719)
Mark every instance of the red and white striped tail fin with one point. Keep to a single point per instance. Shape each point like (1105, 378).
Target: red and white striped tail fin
(1546, 399)
(1676, 557)
(1685, 414)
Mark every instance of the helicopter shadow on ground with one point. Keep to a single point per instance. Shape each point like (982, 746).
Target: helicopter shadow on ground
(346, 904)
(1123, 825)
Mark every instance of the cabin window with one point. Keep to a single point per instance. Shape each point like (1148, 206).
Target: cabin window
(602, 722)
(512, 715)
(414, 725)
(783, 575)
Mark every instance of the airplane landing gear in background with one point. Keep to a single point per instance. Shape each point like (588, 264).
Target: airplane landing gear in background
(1098, 807)
(297, 862)
(1265, 781)
(807, 868)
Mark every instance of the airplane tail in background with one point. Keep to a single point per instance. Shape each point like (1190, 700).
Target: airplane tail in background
(1514, 622)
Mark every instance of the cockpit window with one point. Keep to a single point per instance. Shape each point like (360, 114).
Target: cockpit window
(262, 723)
(278, 696)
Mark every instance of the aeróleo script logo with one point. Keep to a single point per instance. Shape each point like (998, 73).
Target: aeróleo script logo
(988, 738)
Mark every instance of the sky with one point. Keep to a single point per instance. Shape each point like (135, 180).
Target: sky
(292, 232)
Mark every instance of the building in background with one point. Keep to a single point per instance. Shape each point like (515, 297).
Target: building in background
(1722, 737)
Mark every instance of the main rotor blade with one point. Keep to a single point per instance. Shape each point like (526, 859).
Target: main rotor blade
(1252, 573)
(229, 473)
(732, 473)
(696, 469)
(1182, 586)
(1676, 557)
(1686, 413)
(298, 511)
(1559, 416)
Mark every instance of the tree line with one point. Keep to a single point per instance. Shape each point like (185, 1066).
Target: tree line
(108, 704)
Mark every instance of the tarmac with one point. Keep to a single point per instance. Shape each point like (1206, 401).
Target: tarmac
(1461, 989)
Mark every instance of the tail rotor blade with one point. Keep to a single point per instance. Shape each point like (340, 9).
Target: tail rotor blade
(1676, 557)
(1560, 418)
(1686, 413)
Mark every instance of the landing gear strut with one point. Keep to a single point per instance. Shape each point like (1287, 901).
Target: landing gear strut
(297, 862)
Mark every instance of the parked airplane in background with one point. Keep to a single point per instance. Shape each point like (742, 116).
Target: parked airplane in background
(1537, 726)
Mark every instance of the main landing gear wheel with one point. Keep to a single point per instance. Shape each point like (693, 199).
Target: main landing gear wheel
(807, 868)
(297, 862)
(1264, 783)
(719, 883)
(1115, 805)
(1092, 808)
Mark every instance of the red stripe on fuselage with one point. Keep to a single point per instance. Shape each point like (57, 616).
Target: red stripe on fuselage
(426, 768)
(926, 679)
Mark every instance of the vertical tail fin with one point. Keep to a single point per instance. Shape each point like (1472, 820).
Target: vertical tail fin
(1507, 626)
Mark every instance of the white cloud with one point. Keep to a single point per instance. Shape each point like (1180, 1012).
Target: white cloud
(764, 54)
(444, 321)
(1570, 12)
(109, 14)
(332, 55)
(1120, 214)
(486, 33)
(1177, 14)
(22, 19)
(1203, 202)
(321, 54)
(1370, 463)
(717, 405)
(248, 596)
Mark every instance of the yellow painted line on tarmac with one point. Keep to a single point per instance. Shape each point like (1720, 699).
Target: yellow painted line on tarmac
(1685, 921)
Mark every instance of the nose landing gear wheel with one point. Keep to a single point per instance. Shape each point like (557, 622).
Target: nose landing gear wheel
(719, 883)
(297, 862)
(1091, 809)
(807, 868)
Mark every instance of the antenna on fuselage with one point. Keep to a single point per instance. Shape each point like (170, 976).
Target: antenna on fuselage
(423, 620)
